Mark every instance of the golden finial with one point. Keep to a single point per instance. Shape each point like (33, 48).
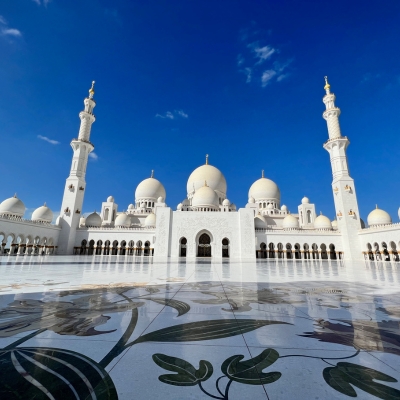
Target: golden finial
(152, 173)
(327, 85)
(262, 173)
(91, 90)
(205, 183)
(206, 160)
(376, 206)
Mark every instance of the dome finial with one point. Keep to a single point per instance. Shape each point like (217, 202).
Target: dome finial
(206, 159)
(91, 91)
(44, 205)
(205, 183)
(262, 173)
(376, 206)
(15, 195)
(152, 173)
(327, 85)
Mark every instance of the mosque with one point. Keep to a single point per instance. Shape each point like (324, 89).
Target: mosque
(205, 223)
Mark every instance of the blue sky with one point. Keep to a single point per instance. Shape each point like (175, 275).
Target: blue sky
(175, 80)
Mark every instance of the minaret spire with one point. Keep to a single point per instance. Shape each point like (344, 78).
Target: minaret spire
(344, 192)
(331, 114)
(75, 186)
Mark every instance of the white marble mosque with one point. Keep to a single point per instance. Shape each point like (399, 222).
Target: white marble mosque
(205, 223)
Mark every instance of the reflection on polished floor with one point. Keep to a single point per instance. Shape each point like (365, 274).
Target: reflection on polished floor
(143, 328)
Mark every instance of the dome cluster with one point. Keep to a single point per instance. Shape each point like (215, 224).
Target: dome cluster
(15, 208)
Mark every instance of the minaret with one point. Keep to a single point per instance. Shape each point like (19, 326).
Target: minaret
(75, 185)
(344, 191)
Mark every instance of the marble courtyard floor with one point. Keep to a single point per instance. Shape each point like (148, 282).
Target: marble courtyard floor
(117, 327)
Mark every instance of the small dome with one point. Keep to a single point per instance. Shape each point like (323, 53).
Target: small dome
(150, 220)
(93, 220)
(322, 222)
(160, 199)
(186, 202)
(334, 224)
(179, 207)
(42, 214)
(150, 188)
(283, 208)
(260, 222)
(131, 207)
(214, 177)
(123, 220)
(226, 203)
(205, 197)
(305, 200)
(58, 221)
(264, 188)
(270, 206)
(233, 206)
(13, 206)
(378, 217)
(290, 222)
(251, 200)
(110, 199)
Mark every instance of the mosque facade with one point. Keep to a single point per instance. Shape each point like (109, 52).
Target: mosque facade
(205, 223)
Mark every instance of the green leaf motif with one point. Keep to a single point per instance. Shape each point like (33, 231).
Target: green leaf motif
(49, 373)
(186, 374)
(250, 372)
(179, 306)
(346, 374)
(204, 330)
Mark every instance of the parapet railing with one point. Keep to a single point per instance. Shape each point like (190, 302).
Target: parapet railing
(20, 219)
(380, 227)
(295, 230)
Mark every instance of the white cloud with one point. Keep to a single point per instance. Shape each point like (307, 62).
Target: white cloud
(3, 20)
(44, 2)
(182, 113)
(11, 32)
(248, 72)
(168, 115)
(93, 156)
(173, 115)
(262, 53)
(282, 77)
(240, 60)
(46, 139)
(267, 76)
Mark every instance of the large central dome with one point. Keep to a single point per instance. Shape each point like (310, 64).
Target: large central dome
(206, 173)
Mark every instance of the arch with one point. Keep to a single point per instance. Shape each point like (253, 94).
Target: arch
(297, 252)
(114, 250)
(271, 250)
(393, 248)
(131, 247)
(280, 250)
(182, 247)
(308, 216)
(263, 250)
(139, 248)
(146, 248)
(315, 254)
(99, 248)
(225, 248)
(289, 251)
(107, 244)
(332, 251)
(106, 213)
(306, 249)
(82, 250)
(204, 245)
(385, 251)
(324, 254)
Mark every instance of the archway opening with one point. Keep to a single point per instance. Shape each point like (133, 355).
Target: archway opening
(204, 246)
(182, 247)
(225, 248)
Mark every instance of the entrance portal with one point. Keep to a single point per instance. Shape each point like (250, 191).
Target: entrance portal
(204, 247)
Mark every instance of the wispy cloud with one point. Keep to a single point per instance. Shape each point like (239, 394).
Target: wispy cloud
(93, 156)
(40, 2)
(11, 32)
(173, 115)
(46, 139)
(261, 63)
(6, 31)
